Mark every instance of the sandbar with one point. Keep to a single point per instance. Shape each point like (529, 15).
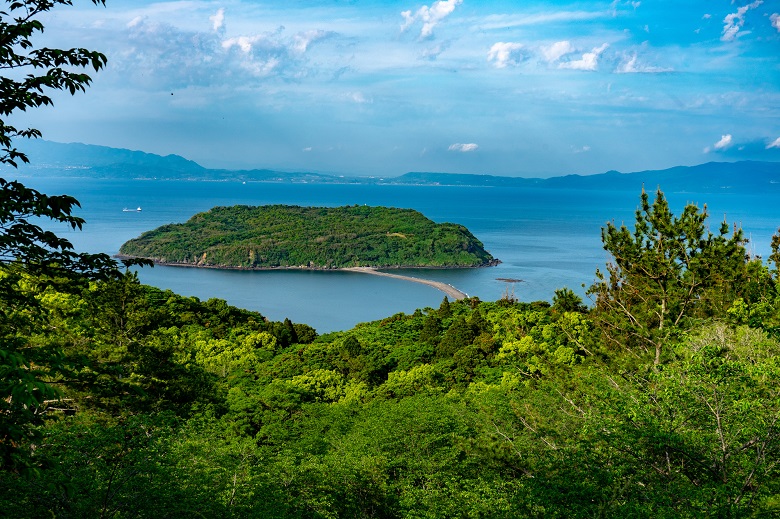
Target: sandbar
(450, 290)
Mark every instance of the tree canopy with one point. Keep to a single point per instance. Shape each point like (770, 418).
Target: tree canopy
(31, 73)
(668, 271)
(492, 409)
(313, 237)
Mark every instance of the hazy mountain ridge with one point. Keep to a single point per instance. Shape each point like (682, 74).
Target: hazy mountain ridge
(75, 159)
(55, 155)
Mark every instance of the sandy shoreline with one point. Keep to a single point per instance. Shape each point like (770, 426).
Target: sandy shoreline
(450, 290)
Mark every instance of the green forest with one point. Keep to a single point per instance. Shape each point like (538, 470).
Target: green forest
(310, 237)
(659, 398)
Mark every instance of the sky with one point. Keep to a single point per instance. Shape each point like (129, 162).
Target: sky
(379, 88)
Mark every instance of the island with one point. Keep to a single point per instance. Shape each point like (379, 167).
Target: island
(323, 238)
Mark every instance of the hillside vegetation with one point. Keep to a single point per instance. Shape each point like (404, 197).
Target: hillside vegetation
(659, 401)
(310, 237)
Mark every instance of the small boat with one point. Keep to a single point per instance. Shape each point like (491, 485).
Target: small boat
(136, 210)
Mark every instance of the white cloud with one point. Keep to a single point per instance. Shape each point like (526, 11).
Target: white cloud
(359, 98)
(775, 19)
(302, 40)
(463, 148)
(135, 22)
(207, 57)
(557, 50)
(774, 144)
(429, 16)
(584, 149)
(725, 142)
(589, 61)
(503, 54)
(733, 22)
(707, 16)
(245, 43)
(408, 20)
(218, 20)
(631, 65)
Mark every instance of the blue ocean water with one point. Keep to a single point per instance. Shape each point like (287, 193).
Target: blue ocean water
(549, 239)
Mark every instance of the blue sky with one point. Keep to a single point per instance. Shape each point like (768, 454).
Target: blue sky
(528, 88)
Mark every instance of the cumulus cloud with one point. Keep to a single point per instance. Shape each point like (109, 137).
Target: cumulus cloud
(186, 57)
(557, 50)
(733, 22)
(631, 65)
(299, 44)
(725, 142)
(589, 60)
(208, 58)
(429, 16)
(463, 148)
(245, 43)
(774, 144)
(775, 19)
(503, 54)
(218, 20)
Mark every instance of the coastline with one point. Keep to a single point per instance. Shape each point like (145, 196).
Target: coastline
(449, 290)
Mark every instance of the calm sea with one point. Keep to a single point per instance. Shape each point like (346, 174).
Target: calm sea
(549, 239)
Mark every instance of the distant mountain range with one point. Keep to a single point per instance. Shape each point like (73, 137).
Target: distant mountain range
(84, 160)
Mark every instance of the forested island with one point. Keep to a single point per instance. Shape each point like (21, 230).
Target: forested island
(284, 236)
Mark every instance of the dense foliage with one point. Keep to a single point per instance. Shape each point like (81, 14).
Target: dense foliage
(313, 237)
(172, 406)
(31, 73)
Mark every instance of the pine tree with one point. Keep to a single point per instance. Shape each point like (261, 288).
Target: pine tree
(444, 309)
(666, 272)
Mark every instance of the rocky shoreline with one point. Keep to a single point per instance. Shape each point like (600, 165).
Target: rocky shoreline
(492, 263)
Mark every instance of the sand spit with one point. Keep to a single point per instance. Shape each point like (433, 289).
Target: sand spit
(450, 290)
